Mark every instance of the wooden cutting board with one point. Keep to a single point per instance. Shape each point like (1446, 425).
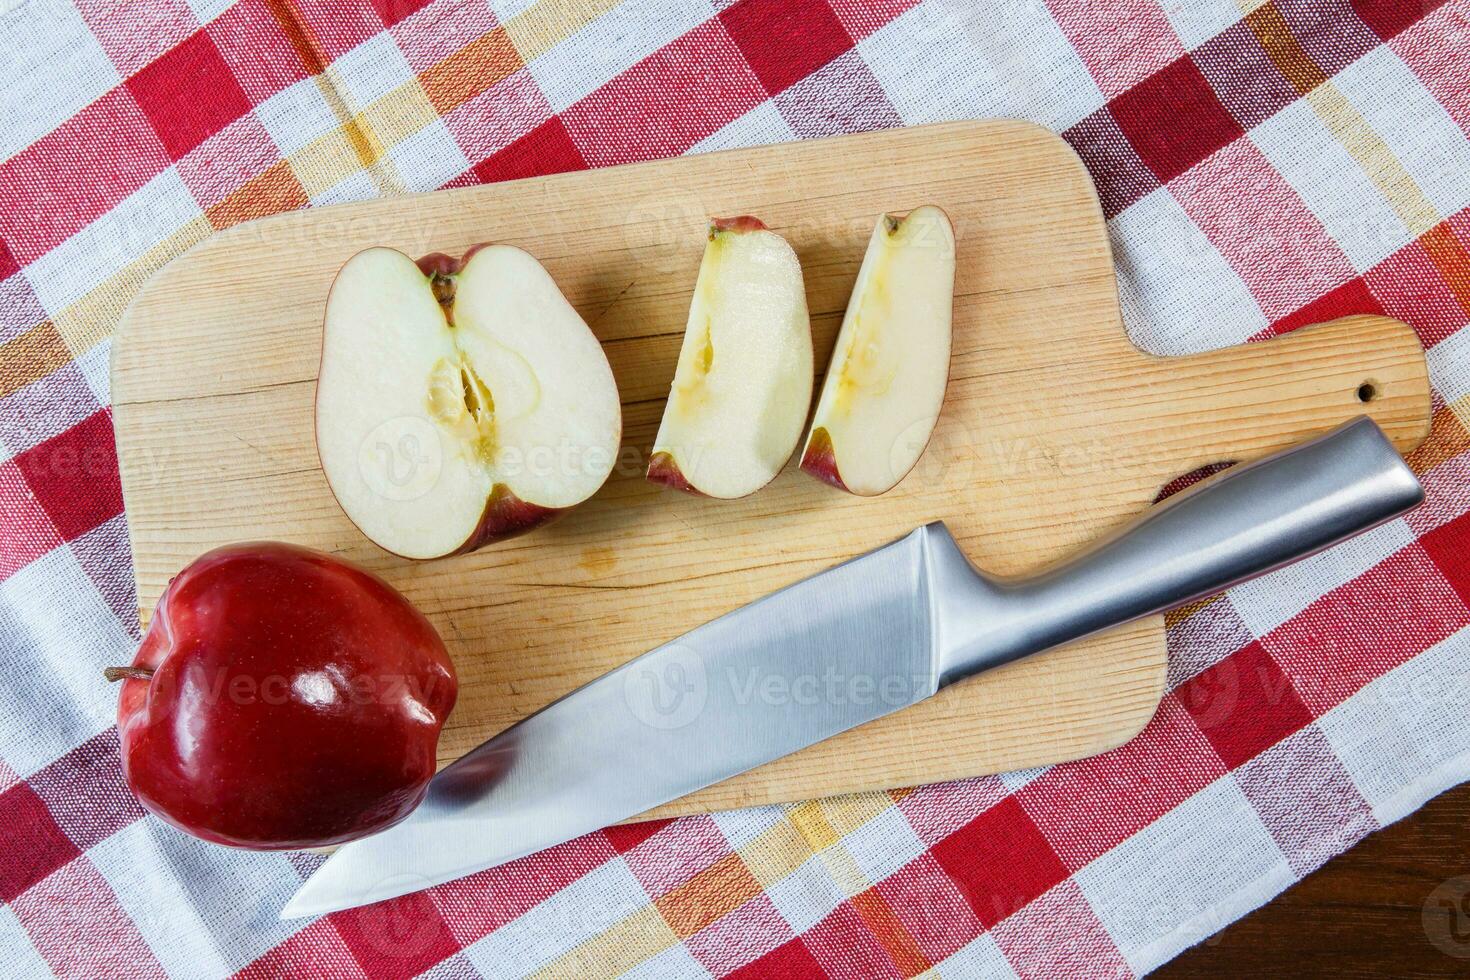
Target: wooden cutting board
(1054, 429)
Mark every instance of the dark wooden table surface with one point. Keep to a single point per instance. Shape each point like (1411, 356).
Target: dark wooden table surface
(1386, 908)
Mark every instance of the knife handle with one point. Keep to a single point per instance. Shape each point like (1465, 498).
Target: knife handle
(1241, 523)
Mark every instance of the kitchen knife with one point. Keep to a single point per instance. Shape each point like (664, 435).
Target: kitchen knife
(851, 644)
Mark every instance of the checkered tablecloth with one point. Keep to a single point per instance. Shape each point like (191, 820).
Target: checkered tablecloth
(1262, 166)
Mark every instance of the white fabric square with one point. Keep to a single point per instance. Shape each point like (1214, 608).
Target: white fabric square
(356, 186)
(296, 115)
(207, 10)
(740, 827)
(883, 845)
(429, 158)
(454, 967)
(1185, 876)
(370, 71)
(1403, 737)
(610, 44)
(504, 10)
(1197, 21)
(1336, 189)
(959, 60)
(53, 67)
(16, 950)
(672, 964)
(195, 903)
(760, 126)
(96, 367)
(154, 898)
(56, 635)
(1449, 366)
(1428, 143)
(1177, 292)
(1015, 781)
(1265, 603)
(586, 908)
(87, 259)
(980, 957)
(806, 896)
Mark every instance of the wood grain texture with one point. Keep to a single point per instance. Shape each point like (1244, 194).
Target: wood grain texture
(1054, 427)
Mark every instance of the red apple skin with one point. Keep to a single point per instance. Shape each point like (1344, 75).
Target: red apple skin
(739, 224)
(294, 701)
(664, 471)
(821, 461)
(439, 264)
(507, 516)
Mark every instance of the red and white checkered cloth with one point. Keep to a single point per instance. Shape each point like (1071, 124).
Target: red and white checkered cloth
(1262, 166)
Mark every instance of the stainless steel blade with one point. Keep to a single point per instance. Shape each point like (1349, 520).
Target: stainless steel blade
(846, 646)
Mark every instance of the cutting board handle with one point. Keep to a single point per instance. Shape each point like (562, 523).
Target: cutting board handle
(1255, 399)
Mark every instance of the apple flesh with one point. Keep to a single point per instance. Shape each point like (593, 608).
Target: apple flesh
(890, 365)
(282, 698)
(459, 401)
(743, 383)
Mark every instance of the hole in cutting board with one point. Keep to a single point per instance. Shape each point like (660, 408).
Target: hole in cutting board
(1367, 391)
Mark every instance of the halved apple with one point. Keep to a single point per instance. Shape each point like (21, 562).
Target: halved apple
(459, 401)
(743, 383)
(890, 365)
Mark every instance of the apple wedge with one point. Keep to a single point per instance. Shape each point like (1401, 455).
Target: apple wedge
(743, 383)
(890, 365)
(459, 401)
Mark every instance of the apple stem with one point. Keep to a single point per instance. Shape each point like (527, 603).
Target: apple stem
(115, 674)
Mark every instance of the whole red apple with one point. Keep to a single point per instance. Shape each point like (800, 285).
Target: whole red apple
(282, 698)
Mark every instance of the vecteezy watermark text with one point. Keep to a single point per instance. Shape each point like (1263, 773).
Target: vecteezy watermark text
(328, 686)
(1446, 917)
(674, 688)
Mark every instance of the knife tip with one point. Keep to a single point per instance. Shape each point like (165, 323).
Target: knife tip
(296, 908)
(310, 902)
